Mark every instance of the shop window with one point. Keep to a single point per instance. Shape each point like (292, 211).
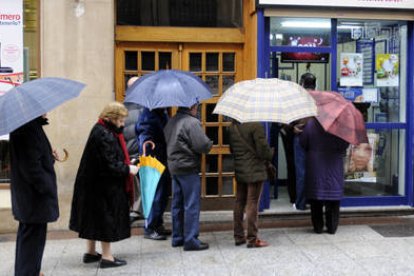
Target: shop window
(372, 67)
(31, 71)
(377, 168)
(182, 13)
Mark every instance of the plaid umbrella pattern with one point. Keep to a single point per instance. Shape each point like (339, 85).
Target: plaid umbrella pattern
(340, 117)
(266, 100)
(23, 103)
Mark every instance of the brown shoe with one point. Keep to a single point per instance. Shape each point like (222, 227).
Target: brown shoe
(257, 243)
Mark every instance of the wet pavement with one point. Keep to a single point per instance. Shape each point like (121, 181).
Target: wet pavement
(356, 249)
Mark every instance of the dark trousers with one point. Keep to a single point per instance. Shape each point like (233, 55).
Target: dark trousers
(247, 198)
(185, 210)
(300, 165)
(287, 139)
(30, 244)
(331, 215)
(155, 218)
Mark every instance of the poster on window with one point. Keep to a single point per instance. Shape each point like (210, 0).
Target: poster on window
(359, 160)
(387, 68)
(11, 44)
(351, 69)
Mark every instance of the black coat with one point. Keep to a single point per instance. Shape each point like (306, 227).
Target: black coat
(100, 208)
(33, 178)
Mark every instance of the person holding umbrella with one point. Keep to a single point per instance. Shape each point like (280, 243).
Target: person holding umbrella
(250, 149)
(103, 188)
(150, 127)
(33, 178)
(34, 193)
(186, 141)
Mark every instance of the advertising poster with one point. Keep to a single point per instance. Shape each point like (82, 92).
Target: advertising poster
(387, 68)
(11, 44)
(359, 161)
(351, 69)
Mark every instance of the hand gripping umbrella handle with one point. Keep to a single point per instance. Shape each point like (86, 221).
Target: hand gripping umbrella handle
(144, 146)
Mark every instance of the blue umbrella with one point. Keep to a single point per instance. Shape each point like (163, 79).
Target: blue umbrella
(167, 88)
(34, 98)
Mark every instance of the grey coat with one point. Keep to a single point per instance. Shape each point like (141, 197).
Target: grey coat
(186, 141)
(249, 166)
(134, 111)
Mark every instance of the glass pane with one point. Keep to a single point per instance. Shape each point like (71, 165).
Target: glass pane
(228, 186)
(148, 61)
(229, 62)
(212, 186)
(377, 168)
(212, 62)
(371, 62)
(131, 60)
(195, 62)
(164, 60)
(4, 162)
(210, 117)
(212, 133)
(213, 82)
(228, 163)
(223, 13)
(211, 163)
(308, 32)
(227, 82)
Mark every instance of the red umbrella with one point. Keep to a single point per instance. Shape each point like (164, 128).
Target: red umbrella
(339, 117)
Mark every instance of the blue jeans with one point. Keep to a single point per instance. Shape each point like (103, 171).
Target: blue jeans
(300, 174)
(185, 210)
(155, 218)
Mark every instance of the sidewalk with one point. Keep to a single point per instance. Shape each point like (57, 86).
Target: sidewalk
(354, 250)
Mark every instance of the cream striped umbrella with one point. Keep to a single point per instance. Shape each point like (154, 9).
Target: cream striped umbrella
(266, 100)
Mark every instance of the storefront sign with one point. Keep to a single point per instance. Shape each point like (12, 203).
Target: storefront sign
(11, 44)
(393, 4)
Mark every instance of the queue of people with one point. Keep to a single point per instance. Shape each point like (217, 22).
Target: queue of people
(104, 193)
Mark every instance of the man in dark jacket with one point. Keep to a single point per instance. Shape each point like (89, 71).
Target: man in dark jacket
(34, 193)
(150, 128)
(186, 141)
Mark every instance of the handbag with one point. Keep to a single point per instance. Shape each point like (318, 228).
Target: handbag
(270, 168)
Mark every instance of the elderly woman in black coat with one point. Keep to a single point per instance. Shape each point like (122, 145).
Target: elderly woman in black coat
(103, 188)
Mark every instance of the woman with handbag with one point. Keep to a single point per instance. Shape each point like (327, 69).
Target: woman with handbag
(251, 155)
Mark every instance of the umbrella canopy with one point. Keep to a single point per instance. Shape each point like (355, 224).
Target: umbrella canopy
(166, 88)
(149, 174)
(23, 103)
(266, 100)
(339, 117)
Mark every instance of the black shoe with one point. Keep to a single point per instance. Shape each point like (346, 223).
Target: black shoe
(163, 231)
(177, 244)
(239, 242)
(202, 246)
(134, 216)
(318, 230)
(107, 263)
(91, 258)
(155, 236)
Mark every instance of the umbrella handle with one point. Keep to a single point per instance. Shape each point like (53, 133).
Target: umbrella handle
(144, 146)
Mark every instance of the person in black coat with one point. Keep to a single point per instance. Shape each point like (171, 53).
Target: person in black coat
(33, 193)
(104, 188)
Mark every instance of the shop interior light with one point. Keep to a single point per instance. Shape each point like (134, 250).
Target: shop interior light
(306, 24)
